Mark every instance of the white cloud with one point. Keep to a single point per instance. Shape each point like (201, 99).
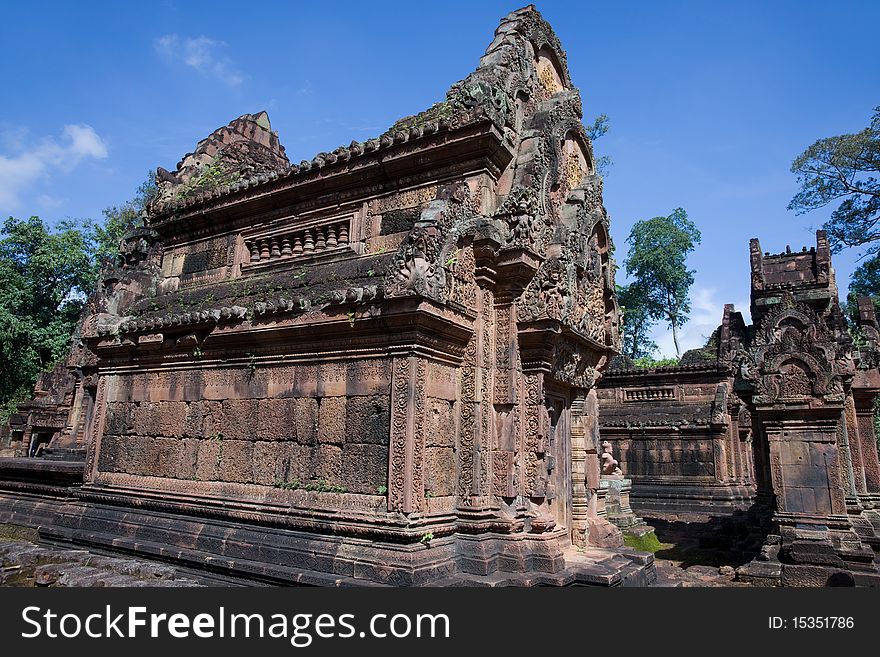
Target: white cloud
(202, 54)
(26, 165)
(48, 202)
(85, 142)
(705, 317)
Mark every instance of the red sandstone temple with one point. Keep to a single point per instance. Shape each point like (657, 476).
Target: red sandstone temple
(376, 365)
(384, 365)
(771, 423)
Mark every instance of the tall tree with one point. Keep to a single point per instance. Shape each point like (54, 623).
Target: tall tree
(844, 168)
(637, 321)
(599, 128)
(658, 250)
(118, 219)
(45, 277)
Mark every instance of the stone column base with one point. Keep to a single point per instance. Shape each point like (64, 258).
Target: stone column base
(812, 552)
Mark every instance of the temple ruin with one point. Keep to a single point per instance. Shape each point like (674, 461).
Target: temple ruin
(771, 423)
(378, 365)
(397, 363)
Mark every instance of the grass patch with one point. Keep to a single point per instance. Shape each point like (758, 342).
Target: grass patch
(646, 542)
(18, 533)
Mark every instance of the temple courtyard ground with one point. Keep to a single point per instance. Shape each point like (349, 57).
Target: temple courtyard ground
(682, 561)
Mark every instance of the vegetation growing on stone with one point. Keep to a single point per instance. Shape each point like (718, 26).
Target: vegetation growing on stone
(647, 542)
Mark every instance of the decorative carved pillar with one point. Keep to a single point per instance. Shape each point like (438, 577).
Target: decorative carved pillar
(406, 445)
(506, 443)
(95, 424)
(584, 461)
(535, 433)
(720, 457)
(855, 446)
(864, 409)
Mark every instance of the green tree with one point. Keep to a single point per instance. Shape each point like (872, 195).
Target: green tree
(844, 169)
(119, 219)
(658, 250)
(637, 321)
(45, 277)
(865, 282)
(647, 362)
(599, 128)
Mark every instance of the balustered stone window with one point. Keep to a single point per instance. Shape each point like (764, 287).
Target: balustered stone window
(325, 238)
(648, 394)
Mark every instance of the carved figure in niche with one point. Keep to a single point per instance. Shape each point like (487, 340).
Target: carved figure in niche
(417, 259)
(547, 78)
(594, 270)
(610, 465)
(519, 210)
(573, 170)
(554, 291)
(522, 228)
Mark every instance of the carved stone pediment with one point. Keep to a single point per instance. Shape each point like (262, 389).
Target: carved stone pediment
(797, 356)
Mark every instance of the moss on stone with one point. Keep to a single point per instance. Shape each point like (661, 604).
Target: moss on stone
(11, 532)
(647, 542)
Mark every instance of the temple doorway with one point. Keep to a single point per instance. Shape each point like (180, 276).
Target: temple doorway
(558, 459)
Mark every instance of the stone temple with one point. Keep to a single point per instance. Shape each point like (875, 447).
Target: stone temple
(771, 424)
(375, 366)
(390, 364)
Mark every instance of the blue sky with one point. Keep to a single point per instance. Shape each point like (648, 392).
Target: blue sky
(709, 101)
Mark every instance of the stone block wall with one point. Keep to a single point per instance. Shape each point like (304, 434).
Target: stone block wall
(273, 426)
(668, 456)
(677, 434)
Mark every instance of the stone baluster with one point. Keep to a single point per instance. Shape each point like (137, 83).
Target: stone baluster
(309, 246)
(276, 249)
(320, 242)
(343, 233)
(264, 250)
(297, 243)
(254, 248)
(286, 251)
(331, 236)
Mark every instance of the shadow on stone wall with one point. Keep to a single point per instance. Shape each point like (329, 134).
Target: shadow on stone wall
(716, 541)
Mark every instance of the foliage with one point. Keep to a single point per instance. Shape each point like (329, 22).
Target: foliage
(658, 250)
(119, 219)
(599, 128)
(637, 321)
(843, 168)
(45, 277)
(211, 176)
(647, 362)
(865, 282)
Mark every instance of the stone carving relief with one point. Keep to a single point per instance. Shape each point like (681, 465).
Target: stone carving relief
(796, 354)
(610, 465)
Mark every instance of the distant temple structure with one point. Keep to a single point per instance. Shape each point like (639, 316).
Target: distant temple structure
(378, 365)
(774, 419)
